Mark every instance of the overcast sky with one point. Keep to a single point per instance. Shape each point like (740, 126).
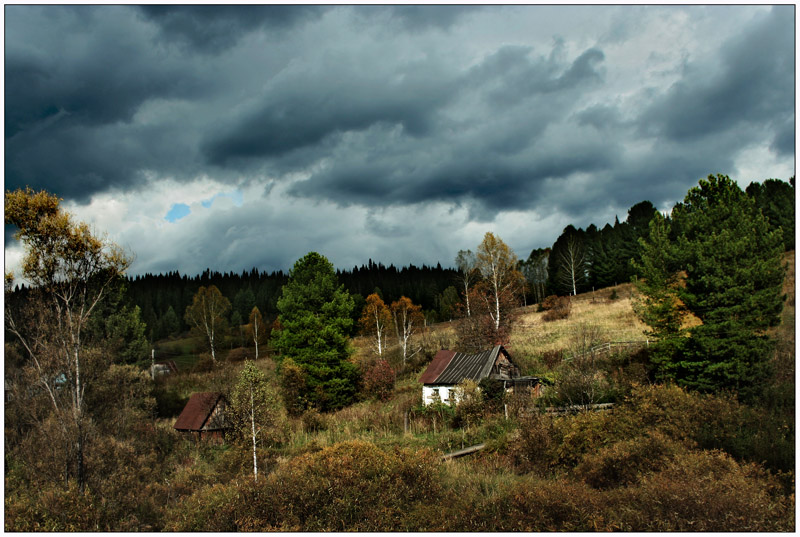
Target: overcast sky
(240, 137)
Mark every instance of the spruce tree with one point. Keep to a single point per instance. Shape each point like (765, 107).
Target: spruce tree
(658, 305)
(733, 285)
(315, 325)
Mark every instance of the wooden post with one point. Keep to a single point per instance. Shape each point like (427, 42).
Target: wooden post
(153, 363)
(405, 423)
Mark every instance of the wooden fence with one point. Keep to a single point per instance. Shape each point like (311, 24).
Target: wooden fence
(574, 409)
(605, 348)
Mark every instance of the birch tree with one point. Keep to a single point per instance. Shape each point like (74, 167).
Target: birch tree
(256, 328)
(70, 272)
(407, 317)
(206, 314)
(467, 273)
(255, 409)
(497, 264)
(374, 322)
(573, 264)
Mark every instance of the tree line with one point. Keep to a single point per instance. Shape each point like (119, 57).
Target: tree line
(163, 298)
(584, 259)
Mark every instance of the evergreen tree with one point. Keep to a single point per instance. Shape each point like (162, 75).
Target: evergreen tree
(776, 200)
(658, 305)
(733, 285)
(170, 324)
(315, 325)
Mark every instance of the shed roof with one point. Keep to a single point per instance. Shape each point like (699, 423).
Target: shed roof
(197, 411)
(449, 367)
(437, 365)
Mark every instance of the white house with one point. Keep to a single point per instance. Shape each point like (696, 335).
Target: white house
(450, 368)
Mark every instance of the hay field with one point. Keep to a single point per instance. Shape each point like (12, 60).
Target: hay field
(615, 320)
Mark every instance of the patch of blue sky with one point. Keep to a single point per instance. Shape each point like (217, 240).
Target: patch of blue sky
(176, 212)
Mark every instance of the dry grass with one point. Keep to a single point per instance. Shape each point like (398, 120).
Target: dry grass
(615, 319)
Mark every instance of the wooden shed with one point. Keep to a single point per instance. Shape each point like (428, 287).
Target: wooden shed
(204, 416)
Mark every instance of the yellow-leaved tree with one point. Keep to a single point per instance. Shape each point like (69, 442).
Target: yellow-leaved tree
(70, 271)
(374, 321)
(207, 315)
(498, 263)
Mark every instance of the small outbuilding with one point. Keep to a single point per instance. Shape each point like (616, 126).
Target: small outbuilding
(450, 368)
(204, 416)
(167, 367)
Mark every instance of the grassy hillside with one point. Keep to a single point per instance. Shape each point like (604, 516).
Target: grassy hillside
(664, 459)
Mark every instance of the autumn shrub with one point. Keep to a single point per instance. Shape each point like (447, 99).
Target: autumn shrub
(625, 462)
(558, 309)
(552, 358)
(704, 491)
(378, 379)
(51, 508)
(240, 354)
(209, 508)
(204, 364)
(313, 420)
(533, 504)
(470, 408)
(293, 387)
(548, 303)
(534, 449)
(352, 486)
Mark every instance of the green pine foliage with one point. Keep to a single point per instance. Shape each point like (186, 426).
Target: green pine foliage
(315, 326)
(658, 305)
(775, 199)
(731, 258)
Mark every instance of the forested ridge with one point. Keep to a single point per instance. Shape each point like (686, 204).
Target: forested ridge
(684, 322)
(578, 261)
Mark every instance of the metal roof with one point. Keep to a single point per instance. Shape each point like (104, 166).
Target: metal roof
(197, 410)
(460, 366)
(439, 363)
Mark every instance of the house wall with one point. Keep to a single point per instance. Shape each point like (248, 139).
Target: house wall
(447, 394)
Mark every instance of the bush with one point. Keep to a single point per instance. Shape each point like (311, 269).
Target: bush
(313, 421)
(558, 308)
(534, 449)
(537, 505)
(352, 486)
(552, 358)
(240, 354)
(378, 379)
(625, 462)
(470, 407)
(705, 491)
(204, 364)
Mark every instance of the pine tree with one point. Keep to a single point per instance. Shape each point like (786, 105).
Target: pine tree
(733, 285)
(658, 305)
(315, 320)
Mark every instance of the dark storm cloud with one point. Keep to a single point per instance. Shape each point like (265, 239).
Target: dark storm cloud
(401, 112)
(515, 73)
(306, 109)
(213, 28)
(490, 161)
(69, 109)
(752, 81)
